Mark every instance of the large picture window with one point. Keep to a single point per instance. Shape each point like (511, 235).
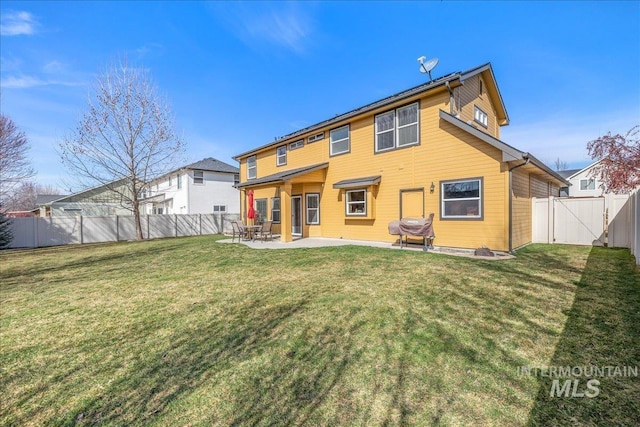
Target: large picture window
(275, 209)
(356, 203)
(461, 199)
(251, 167)
(313, 209)
(339, 139)
(397, 128)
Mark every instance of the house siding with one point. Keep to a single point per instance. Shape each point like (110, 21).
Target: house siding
(469, 97)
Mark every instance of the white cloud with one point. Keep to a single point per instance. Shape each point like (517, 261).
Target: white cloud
(282, 24)
(17, 23)
(26, 82)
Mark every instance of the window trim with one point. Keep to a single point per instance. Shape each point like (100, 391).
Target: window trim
(296, 144)
(253, 168)
(348, 139)
(588, 180)
(307, 208)
(484, 117)
(281, 156)
(279, 210)
(317, 137)
(480, 198)
(396, 129)
(194, 177)
(347, 202)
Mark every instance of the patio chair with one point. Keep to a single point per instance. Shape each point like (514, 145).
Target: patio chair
(238, 228)
(266, 230)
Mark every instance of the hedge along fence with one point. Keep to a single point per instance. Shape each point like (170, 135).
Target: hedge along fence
(55, 231)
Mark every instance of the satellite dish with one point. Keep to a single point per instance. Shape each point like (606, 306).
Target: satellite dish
(426, 67)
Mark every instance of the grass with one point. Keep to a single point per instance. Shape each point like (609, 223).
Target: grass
(191, 332)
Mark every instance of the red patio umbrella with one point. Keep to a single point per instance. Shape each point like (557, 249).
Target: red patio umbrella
(251, 214)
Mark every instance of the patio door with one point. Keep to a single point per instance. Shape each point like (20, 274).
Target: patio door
(296, 215)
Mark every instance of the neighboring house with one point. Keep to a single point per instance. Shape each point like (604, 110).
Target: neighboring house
(432, 148)
(101, 200)
(206, 186)
(43, 204)
(583, 182)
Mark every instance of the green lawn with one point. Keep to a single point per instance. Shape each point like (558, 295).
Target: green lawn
(192, 332)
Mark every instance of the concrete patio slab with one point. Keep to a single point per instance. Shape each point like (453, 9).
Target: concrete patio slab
(321, 242)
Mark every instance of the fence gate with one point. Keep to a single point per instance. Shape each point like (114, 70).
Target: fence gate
(579, 221)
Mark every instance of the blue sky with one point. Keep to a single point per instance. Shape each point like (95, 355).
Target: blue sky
(238, 74)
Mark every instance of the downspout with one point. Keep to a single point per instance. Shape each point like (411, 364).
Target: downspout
(450, 97)
(525, 156)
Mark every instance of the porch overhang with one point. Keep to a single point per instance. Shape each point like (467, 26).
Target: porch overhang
(358, 182)
(282, 177)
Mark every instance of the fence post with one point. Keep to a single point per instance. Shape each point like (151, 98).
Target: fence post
(81, 231)
(148, 235)
(117, 228)
(200, 224)
(35, 232)
(551, 208)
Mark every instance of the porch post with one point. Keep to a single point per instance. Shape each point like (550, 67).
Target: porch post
(285, 213)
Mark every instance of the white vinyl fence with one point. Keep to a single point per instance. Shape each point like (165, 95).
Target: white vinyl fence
(54, 231)
(611, 220)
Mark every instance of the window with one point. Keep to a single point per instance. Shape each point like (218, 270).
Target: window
(356, 203)
(339, 141)
(179, 181)
(480, 116)
(261, 210)
(275, 209)
(219, 208)
(170, 182)
(198, 177)
(251, 167)
(588, 184)
(296, 144)
(461, 199)
(236, 179)
(281, 155)
(316, 137)
(397, 128)
(313, 209)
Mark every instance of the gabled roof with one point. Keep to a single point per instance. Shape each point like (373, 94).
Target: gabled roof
(486, 70)
(212, 165)
(45, 199)
(100, 187)
(568, 173)
(579, 171)
(509, 153)
(283, 176)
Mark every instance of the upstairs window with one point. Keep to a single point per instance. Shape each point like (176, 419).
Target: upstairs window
(588, 184)
(316, 137)
(281, 155)
(251, 167)
(219, 208)
(339, 139)
(198, 177)
(179, 181)
(296, 144)
(480, 116)
(397, 128)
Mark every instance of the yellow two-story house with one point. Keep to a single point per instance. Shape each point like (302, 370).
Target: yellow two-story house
(432, 148)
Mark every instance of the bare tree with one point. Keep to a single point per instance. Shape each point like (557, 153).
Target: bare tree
(619, 155)
(560, 165)
(25, 196)
(14, 164)
(126, 137)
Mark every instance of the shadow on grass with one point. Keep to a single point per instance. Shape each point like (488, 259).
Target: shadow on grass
(602, 329)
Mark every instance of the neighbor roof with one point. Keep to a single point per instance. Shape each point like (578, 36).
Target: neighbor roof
(568, 173)
(212, 165)
(44, 199)
(441, 81)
